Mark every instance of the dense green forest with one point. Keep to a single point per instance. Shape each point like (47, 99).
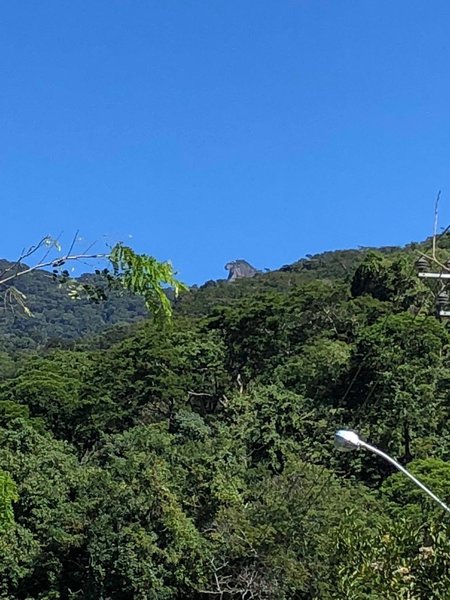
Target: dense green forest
(195, 460)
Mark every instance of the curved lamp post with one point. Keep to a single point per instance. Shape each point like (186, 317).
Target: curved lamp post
(349, 440)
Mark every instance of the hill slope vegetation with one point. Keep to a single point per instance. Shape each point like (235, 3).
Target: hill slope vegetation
(197, 461)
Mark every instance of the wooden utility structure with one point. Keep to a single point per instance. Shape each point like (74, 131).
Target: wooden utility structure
(423, 266)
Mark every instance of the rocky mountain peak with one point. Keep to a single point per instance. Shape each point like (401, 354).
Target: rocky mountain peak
(240, 268)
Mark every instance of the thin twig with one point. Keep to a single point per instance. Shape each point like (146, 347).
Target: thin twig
(49, 263)
(73, 241)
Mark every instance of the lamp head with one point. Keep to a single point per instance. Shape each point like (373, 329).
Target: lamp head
(346, 440)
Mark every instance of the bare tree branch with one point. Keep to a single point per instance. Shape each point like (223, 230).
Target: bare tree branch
(53, 263)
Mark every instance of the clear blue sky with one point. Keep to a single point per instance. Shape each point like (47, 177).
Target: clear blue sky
(211, 130)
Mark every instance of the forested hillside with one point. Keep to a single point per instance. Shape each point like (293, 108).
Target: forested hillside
(196, 460)
(56, 317)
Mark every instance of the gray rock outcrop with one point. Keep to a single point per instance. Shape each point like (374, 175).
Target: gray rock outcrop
(240, 268)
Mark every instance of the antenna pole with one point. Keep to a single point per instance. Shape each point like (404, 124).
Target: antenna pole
(436, 214)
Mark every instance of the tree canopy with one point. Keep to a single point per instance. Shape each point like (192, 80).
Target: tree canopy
(196, 461)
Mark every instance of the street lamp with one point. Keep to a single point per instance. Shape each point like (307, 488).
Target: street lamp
(349, 440)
